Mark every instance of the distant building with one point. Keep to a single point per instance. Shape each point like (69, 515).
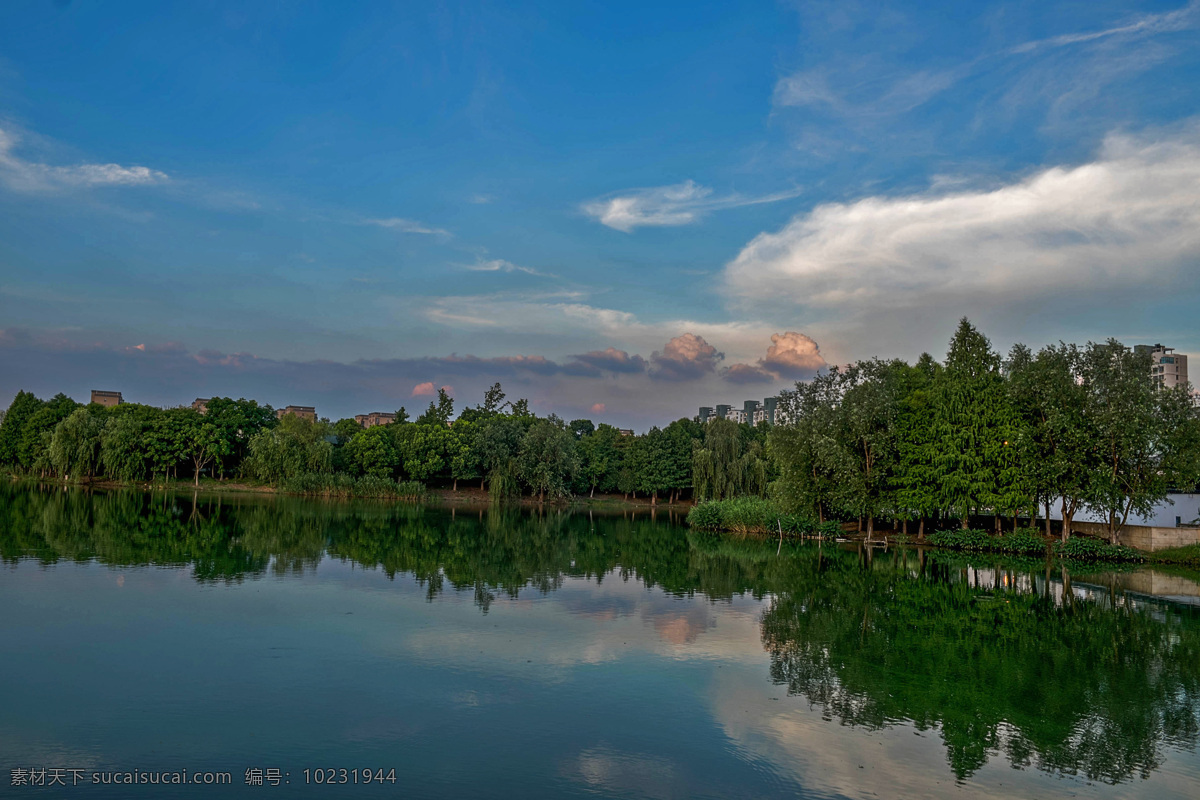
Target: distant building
(201, 404)
(771, 408)
(625, 431)
(1168, 369)
(109, 399)
(375, 418)
(303, 412)
(752, 411)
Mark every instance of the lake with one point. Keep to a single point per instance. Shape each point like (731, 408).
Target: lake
(516, 653)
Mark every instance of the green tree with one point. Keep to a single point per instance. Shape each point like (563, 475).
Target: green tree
(600, 458)
(75, 444)
(22, 408)
(374, 452)
(36, 433)
(1145, 437)
(496, 449)
(123, 443)
(439, 411)
(973, 421)
(548, 460)
(915, 480)
(424, 450)
(461, 453)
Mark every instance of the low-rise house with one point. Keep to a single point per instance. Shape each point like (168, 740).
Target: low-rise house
(375, 418)
(303, 412)
(201, 404)
(109, 399)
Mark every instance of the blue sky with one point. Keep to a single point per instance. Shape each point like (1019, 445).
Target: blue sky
(618, 211)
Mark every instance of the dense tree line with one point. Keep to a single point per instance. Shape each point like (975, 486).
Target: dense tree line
(1084, 427)
(498, 443)
(977, 434)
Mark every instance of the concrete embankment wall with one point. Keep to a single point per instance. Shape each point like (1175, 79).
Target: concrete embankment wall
(1143, 537)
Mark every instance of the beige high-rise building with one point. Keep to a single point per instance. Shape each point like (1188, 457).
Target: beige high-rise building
(1167, 368)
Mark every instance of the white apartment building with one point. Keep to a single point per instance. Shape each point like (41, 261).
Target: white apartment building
(1167, 368)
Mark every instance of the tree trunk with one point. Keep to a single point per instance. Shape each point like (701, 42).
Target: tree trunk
(921, 529)
(455, 485)
(905, 528)
(592, 493)
(1048, 516)
(654, 498)
(870, 526)
(481, 484)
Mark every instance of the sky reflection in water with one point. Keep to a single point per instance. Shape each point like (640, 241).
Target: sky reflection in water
(506, 653)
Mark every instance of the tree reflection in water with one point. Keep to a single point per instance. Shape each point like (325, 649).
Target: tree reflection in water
(1000, 657)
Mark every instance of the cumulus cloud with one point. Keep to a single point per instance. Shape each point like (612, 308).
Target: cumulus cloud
(1128, 217)
(684, 358)
(20, 174)
(423, 389)
(612, 360)
(678, 204)
(597, 408)
(406, 226)
(791, 356)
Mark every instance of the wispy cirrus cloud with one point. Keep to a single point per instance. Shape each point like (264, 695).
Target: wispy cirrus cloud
(1145, 25)
(407, 226)
(22, 174)
(857, 97)
(501, 265)
(678, 204)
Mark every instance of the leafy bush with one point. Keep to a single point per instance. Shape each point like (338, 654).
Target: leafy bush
(963, 540)
(705, 516)
(1026, 541)
(1087, 549)
(342, 485)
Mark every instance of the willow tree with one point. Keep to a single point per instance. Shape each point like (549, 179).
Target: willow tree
(75, 444)
(801, 443)
(725, 465)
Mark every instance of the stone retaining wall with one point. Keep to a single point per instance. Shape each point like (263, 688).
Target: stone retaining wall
(1143, 537)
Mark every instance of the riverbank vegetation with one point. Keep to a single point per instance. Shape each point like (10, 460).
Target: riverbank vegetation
(931, 444)
(979, 435)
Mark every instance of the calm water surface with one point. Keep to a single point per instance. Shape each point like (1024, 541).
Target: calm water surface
(515, 654)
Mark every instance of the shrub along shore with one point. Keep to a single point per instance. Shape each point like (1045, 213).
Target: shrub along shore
(757, 516)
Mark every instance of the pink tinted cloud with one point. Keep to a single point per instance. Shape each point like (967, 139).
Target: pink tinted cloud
(424, 389)
(685, 358)
(598, 408)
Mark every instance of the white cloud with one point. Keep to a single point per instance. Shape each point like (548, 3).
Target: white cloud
(22, 175)
(500, 265)
(679, 204)
(1123, 220)
(406, 226)
(1148, 24)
